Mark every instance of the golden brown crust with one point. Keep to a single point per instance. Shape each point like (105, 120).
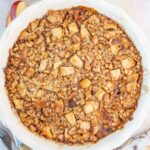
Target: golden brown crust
(74, 76)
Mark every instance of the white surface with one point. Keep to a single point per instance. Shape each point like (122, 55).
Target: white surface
(140, 12)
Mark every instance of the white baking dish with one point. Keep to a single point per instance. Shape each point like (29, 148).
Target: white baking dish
(9, 117)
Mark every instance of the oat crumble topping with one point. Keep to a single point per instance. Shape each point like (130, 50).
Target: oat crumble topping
(74, 76)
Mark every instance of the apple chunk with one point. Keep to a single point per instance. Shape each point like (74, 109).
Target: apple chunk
(15, 10)
(85, 83)
(8, 20)
(18, 103)
(100, 94)
(76, 61)
(65, 71)
(84, 32)
(115, 74)
(59, 108)
(85, 125)
(71, 118)
(47, 132)
(91, 106)
(21, 6)
(73, 28)
(128, 63)
(57, 32)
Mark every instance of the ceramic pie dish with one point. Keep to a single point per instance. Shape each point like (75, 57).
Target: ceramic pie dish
(38, 10)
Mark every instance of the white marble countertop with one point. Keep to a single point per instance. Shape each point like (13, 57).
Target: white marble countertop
(139, 10)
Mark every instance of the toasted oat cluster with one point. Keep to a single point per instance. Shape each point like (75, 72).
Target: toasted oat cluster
(74, 76)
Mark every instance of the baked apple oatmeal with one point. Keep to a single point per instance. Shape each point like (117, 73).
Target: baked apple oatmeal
(74, 76)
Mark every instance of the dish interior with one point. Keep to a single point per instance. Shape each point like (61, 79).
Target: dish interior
(74, 76)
